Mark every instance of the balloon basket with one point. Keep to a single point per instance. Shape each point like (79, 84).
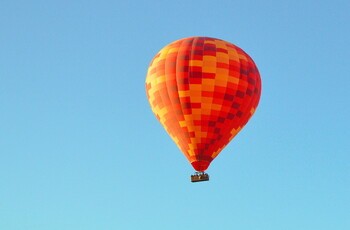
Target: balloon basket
(199, 177)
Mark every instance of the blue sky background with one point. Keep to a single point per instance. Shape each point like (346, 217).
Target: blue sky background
(81, 149)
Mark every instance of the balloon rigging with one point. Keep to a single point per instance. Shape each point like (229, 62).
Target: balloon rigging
(203, 91)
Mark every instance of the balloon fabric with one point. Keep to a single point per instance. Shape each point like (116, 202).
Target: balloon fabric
(203, 91)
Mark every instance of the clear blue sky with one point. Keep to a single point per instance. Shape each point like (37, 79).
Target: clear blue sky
(81, 149)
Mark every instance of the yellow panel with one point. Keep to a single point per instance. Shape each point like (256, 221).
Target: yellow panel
(221, 75)
(220, 44)
(191, 149)
(196, 114)
(163, 54)
(233, 54)
(223, 58)
(196, 63)
(206, 100)
(208, 85)
(195, 89)
(185, 93)
(208, 88)
(209, 59)
(209, 69)
(161, 113)
(206, 106)
(210, 42)
(160, 79)
(216, 107)
(206, 110)
(175, 139)
(196, 99)
(223, 72)
(182, 124)
(221, 83)
(188, 122)
(172, 50)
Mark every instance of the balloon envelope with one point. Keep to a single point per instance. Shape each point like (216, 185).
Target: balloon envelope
(203, 91)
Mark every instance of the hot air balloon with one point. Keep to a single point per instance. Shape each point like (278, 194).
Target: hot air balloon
(203, 91)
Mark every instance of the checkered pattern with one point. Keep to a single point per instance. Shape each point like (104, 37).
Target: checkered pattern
(203, 91)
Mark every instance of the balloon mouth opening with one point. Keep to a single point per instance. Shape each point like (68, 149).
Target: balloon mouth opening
(200, 166)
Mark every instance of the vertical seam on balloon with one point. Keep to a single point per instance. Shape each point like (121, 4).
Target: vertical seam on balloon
(227, 129)
(190, 120)
(211, 103)
(187, 137)
(180, 135)
(249, 103)
(253, 99)
(155, 77)
(162, 98)
(195, 143)
(237, 50)
(190, 123)
(211, 148)
(203, 45)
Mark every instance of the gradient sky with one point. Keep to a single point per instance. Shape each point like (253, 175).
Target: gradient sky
(81, 149)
